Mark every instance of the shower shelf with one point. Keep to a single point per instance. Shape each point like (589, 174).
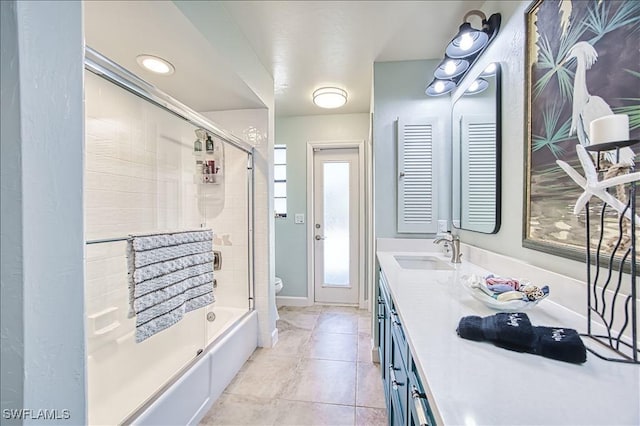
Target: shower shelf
(104, 321)
(208, 164)
(208, 179)
(107, 329)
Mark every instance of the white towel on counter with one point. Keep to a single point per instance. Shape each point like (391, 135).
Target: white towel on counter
(169, 275)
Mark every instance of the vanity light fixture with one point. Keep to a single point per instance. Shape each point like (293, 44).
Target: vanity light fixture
(451, 68)
(490, 70)
(479, 85)
(440, 87)
(462, 52)
(329, 97)
(155, 64)
(469, 40)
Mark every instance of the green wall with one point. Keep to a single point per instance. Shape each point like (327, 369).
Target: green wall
(291, 239)
(399, 92)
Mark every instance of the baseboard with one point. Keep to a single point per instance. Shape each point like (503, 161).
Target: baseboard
(292, 301)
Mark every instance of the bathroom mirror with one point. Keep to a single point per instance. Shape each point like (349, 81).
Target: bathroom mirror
(476, 153)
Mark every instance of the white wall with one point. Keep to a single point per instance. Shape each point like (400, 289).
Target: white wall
(509, 49)
(11, 292)
(291, 239)
(43, 188)
(399, 92)
(49, 204)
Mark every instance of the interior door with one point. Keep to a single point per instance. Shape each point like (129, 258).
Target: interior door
(336, 225)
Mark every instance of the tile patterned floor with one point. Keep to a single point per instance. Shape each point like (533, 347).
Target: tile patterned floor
(319, 373)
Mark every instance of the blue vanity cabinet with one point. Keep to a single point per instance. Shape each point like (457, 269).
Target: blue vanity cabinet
(420, 413)
(398, 378)
(406, 401)
(384, 335)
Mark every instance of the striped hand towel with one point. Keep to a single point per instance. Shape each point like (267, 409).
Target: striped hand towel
(169, 275)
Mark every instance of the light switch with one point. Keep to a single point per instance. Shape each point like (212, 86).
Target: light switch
(443, 226)
(299, 218)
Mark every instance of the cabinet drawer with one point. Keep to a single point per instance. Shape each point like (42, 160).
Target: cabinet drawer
(397, 415)
(419, 410)
(384, 292)
(381, 316)
(399, 336)
(398, 379)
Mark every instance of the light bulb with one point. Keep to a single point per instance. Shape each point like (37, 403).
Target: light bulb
(450, 67)
(466, 41)
(491, 68)
(474, 86)
(438, 87)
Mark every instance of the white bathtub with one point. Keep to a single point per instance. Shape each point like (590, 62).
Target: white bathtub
(187, 400)
(225, 317)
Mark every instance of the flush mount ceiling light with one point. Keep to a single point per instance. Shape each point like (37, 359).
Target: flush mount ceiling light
(329, 97)
(451, 68)
(155, 64)
(469, 40)
(480, 85)
(440, 87)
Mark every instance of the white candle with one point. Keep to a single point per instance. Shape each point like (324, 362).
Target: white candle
(611, 128)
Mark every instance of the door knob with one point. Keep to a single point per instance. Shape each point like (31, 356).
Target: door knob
(318, 237)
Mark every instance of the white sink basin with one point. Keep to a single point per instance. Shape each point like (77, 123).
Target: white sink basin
(422, 262)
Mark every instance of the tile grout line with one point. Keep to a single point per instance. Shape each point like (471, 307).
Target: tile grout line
(357, 363)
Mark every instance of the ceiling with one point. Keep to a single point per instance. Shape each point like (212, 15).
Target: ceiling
(122, 30)
(304, 44)
(309, 44)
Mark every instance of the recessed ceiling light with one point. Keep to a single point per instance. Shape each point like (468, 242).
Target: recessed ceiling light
(155, 64)
(329, 97)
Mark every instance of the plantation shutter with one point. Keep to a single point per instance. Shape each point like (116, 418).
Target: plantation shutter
(416, 189)
(479, 172)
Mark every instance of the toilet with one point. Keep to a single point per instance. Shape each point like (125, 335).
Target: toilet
(278, 288)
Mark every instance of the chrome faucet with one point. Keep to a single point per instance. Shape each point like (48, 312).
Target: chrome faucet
(451, 242)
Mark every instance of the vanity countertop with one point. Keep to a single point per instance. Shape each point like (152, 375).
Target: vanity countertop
(476, 383)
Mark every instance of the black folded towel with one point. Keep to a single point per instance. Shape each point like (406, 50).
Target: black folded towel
(511, 331)
(514, 331)
(563, 344)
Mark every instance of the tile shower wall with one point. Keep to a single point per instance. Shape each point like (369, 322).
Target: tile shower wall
(252, 126)
(139, 177)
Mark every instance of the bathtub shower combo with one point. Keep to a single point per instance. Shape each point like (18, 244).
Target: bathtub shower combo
(153, 165)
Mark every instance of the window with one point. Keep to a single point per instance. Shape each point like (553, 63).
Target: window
(280, 180)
